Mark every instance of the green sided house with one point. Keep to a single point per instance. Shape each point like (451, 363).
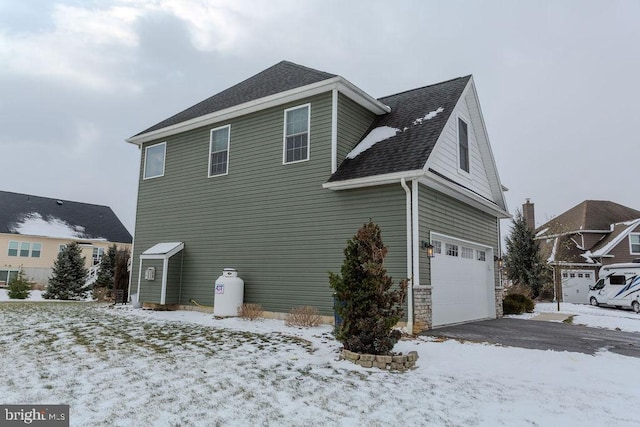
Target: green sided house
(273, 175)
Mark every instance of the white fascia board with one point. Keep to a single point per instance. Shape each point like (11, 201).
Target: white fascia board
(464, 195)
(370, 181)
(568, 233)
(339, 83)
(575, 264)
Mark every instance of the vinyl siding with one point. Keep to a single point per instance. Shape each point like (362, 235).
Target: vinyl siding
(150, 290)
(445, 215)
(273, 222)
(444, 158)
(353, 122)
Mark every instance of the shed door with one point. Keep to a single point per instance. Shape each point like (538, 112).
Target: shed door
(462, 282)
(575, 285)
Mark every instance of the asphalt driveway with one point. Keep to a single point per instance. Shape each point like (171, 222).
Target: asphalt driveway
(543, 336)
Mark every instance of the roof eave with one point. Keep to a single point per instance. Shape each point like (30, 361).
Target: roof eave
(370, 181)
(338, 82)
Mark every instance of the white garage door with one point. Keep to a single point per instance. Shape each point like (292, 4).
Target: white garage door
(462, 286)
(575, 285)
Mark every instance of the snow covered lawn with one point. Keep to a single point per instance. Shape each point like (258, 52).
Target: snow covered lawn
(136, 367)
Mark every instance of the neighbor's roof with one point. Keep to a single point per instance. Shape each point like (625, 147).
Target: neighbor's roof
(417, 118)
(281, 77)
(42, 216)
(590, 215)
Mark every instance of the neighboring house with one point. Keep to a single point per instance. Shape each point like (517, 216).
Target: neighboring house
(579, 241)
(33, 230)
(273, 175)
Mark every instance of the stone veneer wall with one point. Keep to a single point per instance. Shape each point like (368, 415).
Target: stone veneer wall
(422, 313)
(499, 291)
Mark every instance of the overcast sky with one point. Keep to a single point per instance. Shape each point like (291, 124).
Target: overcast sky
(557, 81)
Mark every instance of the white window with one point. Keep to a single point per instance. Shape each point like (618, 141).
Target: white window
(580, 275)
(154, 160)
(36, 249)
(24, 249)
(587, 275)
(572, 275)
(61, 248)
(97, 255)
(13, 249)
(634, 241)
(467, 253)
(463, 145)
(437, 246)
(219, 151)
(565, 275)
(481, 255)
(296, 134)
(7, 275)
(452, 250)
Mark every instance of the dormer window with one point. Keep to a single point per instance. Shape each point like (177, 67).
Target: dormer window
(296, 134)
(463, 145)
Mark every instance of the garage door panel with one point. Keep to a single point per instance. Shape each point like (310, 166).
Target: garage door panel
(575, 285)
(461, 288)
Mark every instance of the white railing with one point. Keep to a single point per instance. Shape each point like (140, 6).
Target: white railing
(93, 274)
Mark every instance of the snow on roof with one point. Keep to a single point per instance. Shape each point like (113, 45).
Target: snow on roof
(34, 224)
(429, 116)
(376, 135)
(385, 132)
(631, 225)
(552, 257)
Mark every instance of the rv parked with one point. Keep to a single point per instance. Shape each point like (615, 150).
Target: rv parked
(618, 286)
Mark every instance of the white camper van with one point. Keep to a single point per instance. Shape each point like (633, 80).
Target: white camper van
(618, 286)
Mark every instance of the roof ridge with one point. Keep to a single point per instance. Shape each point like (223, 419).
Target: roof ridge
(54, 199)
(303, 67)
(425, 87)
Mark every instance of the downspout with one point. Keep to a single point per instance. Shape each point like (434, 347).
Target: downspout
(334, 130)
(409, 260)
(415, 232)
(139, 279)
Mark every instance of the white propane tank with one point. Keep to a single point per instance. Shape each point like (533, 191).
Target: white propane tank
(229, 293)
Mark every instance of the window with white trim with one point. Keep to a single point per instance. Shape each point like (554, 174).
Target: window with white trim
(36, 250)
(587, 275)
(467, 253)
(572, 275)
(463, 145)
(61, 248)
(219, 151)
(13, 249)
(7, 275)
(481, 255)
(565, 275)
(296, 134)
(97, 255)
(634, 242)
(437, 246)
(25, 247)
(154, 156)
(451, 249)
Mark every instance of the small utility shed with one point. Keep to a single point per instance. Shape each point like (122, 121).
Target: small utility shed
(157, 268)
(273, 175)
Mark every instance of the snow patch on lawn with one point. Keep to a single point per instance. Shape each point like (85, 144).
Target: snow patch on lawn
(139, 367)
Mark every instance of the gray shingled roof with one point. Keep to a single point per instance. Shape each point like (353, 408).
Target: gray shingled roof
(410, 148)
(281, 77)
(90, 221)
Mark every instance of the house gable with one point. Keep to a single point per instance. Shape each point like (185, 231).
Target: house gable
(445, 159)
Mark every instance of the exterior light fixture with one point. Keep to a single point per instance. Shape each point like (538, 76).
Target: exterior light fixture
(430, 253)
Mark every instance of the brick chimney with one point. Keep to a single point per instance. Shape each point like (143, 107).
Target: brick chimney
(529, 215)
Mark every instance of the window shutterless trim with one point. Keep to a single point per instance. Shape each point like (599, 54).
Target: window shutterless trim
(209, 175)
(631, 243)
(146, 157)
(308, 132)
(459, 145)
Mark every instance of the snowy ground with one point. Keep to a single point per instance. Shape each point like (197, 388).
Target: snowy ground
(129, 367)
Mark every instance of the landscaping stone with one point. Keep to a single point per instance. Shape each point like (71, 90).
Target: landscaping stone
(380, 361)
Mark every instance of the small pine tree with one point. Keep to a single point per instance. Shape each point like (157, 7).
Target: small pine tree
(19, 287)
(369, 308)
(67, 282)
(105, 272)
(523, 261)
